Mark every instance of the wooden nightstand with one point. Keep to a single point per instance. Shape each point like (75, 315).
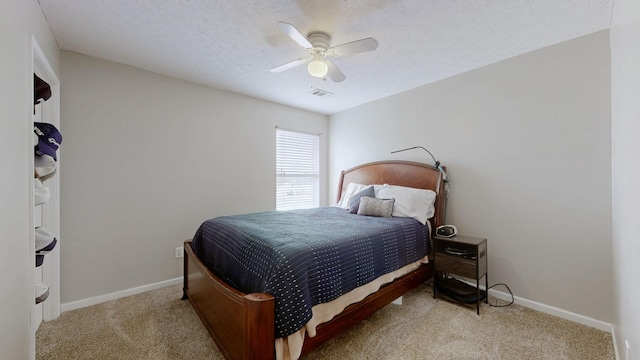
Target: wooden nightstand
(465, 256)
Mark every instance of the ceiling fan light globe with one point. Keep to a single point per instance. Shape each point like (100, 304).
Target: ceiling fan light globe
(317, 68)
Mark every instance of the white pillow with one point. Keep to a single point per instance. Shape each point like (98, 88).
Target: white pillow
(410, 202)
(352, 189)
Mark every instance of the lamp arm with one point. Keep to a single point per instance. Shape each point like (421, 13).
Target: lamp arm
(445, 177)
(420, 147)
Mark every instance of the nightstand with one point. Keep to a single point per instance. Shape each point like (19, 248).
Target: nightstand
(465, 256)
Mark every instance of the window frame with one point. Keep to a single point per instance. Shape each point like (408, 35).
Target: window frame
(297, 165)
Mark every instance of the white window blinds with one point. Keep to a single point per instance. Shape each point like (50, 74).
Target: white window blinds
(297, 170)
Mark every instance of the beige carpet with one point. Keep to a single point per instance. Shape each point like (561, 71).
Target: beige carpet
(158, 325)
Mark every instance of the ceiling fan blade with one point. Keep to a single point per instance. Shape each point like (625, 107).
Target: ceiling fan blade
(334, 73)
(289, 65)
(294, 34)
(355, 47)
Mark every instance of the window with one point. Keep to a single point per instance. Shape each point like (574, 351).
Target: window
(297, 170)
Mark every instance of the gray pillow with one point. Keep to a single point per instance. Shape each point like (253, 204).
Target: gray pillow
(376, 207)
(354, 201)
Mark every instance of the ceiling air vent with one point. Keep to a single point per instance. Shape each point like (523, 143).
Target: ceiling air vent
(320, 93)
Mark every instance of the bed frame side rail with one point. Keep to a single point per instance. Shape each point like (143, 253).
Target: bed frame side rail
(357, 312)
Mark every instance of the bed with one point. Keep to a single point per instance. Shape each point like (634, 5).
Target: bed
(244, 325)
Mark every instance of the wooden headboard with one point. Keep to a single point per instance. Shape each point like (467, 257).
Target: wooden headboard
(402, 173)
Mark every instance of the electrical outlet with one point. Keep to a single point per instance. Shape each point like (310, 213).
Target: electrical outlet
(179, 252)
(626, 345)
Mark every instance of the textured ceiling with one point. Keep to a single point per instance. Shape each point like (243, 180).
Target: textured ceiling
(231, 45)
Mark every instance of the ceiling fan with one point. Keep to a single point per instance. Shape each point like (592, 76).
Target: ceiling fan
(317, 43)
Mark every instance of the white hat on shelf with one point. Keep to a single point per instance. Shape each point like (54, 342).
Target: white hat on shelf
(42, 292)
(40, 192)
(44, 165)
(45, 242)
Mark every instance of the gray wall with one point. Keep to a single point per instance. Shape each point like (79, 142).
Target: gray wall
(19, 21)
(625, 128)
(527, 142)
(147, 159)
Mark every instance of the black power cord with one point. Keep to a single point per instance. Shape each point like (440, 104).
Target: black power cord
(496, 304)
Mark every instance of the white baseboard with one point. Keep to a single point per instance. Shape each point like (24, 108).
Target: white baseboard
(580, 319)
(564, 314)
(117, 295)
(615, 343)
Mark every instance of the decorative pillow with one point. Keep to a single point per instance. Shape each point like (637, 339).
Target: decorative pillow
(375, 207)
(410, 202)
(354, 201)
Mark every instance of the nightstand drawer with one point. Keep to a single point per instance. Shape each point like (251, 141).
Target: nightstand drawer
(457, 266)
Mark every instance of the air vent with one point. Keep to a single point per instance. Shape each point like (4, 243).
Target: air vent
(320, 93)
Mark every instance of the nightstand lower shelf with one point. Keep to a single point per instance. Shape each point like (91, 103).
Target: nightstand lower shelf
(460, 291)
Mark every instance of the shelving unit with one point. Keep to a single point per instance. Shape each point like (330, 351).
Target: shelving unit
(45, 215)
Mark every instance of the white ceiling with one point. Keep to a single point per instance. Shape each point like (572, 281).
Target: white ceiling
(231, 45)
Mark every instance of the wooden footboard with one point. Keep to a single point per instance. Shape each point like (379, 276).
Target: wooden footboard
(242, 325)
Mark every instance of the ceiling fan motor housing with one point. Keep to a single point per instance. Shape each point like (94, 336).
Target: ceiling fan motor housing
(319, 40)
